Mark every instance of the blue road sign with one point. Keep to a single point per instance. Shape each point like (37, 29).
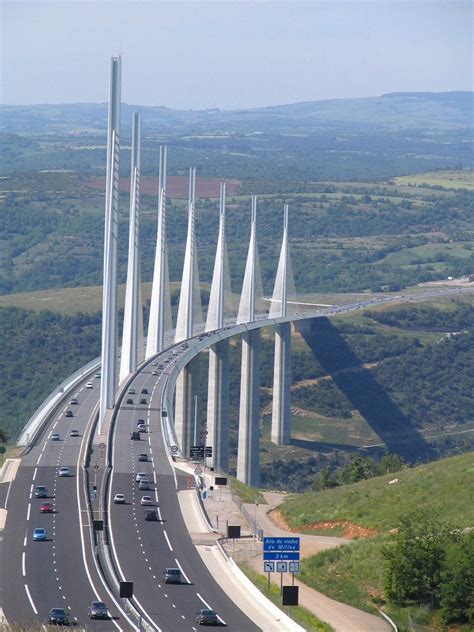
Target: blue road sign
(281, 544)
(281, 555)
(293, 567)
(268, 567)
(281, 567)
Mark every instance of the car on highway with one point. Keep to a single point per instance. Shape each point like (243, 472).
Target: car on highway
(58, 616)
(155, 363)
(141, 428)
(151, 515)
(129, 400)
(154, 373)
(73, 402)
(131, 391)
(141, 476)
(55, 436)
(144, 485)
(160, 366)
(172, 576)
(98, 610)
(41, 491)
(143, 400)
(69, 413)
(207, 617)
(97, 376)
(39, 534)
(119, 499)
(146, 500)
(89, 385)
(144, 391)
(143, 456)
(74, 433)
(46, 507)
(135, 435)
(63, 471)
(140, 421)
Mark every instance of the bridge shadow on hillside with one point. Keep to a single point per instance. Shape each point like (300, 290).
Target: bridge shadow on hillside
(363, 391)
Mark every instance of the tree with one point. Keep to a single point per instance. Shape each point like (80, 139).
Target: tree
(415, 559)
(457, 587)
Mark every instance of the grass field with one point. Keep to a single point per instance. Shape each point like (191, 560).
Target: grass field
(447, 179)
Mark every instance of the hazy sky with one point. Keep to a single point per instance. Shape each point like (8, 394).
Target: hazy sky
(232, 54)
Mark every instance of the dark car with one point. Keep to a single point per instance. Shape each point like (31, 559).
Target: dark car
(58, 616)
(129, 401)
(144, 391)
(41, 491)
(143, 456)
(135, 435)
(69, 413)
(143, 400)
(207, 617)
(151, 515)
(172, 576)
(140, 421)
(98, 610)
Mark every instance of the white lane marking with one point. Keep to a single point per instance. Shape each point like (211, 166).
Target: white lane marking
(31, 600)
(23, 569)
(31, 488)
(209, 607)
(39, 458)
(154, 476)
(167, 540)
(34, 473)
(49, 437)
(28, 512)
(44, 447)
(149, 440)
(8, 494)
(182, 572)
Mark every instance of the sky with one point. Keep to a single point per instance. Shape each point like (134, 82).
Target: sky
(227, 54)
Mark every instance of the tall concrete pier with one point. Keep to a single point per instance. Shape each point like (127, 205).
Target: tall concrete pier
(248, 467)
(281, 415)
(218, 380)
(108, 383)
(133, 313)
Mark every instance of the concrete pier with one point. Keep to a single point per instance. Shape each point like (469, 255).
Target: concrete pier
(281, 415)
(187, 387)
(218, 406)
(248, 466)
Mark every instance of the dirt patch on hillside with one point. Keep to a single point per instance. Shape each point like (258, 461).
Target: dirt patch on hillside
(176, 186)
(351, 530)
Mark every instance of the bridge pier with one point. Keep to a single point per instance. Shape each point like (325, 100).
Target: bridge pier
(218, 405)
(281, 416)
(187, 386)
(248, 466)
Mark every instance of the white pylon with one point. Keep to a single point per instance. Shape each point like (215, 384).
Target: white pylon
(279, 306)
(251, 287)
(133, 313)
(108, 384)
(189, 309)
(160, 305)
(220, 297)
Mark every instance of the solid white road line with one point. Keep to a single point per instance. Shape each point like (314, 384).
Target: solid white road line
(23, 570)
(31, 600)
(28, 512)
(208, 606)
(182, 572)
(167, 540)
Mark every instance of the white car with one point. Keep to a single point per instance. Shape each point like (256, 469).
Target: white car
(146, 500)
(141, 476)
(119, 499)
(89, 385)
(63, 471)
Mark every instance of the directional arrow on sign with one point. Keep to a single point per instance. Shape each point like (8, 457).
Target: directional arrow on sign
(268, 567)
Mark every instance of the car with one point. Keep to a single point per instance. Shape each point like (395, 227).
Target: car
(46, 507)
(146, 500)
(175, 353)
(155, 363)
(154, 373)
(74, 433)
(97, 376)
(160, 366)
(143, 400)
(41, 491)
(135, 435)
(73, 402)
(89, 385)
(172, 576)
(184, 345)
(140, 421)
(143, 456)
(55, 436)
(129, 400)
(151, 515)
(131, 391)
(119, 499)
(167, 360)
(207, 617)
(63, 471)
(144, 485)
(141, 476)
(69, 413)
(144, 391)
(141, 428)
(98, 610)
(39, 534)
(58, 616)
